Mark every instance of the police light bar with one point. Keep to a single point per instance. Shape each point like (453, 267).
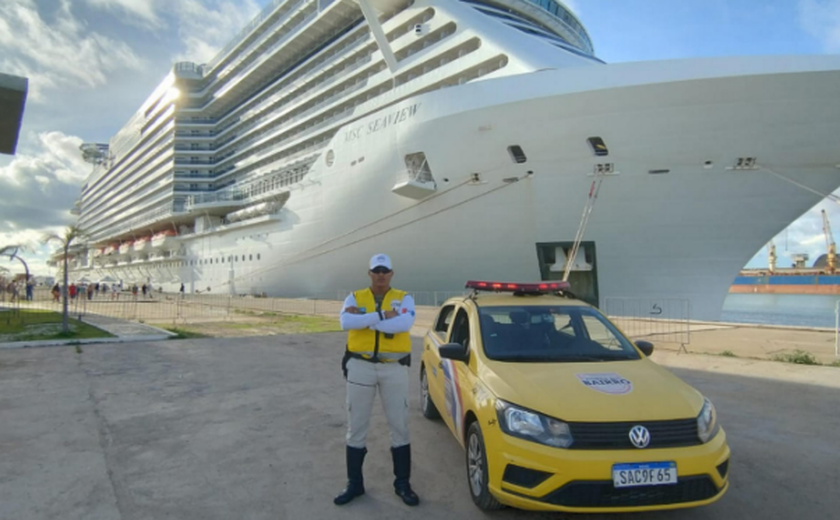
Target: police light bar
(541, 287)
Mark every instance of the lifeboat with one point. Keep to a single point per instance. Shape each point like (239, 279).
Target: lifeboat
(142, 244)
(165, 239)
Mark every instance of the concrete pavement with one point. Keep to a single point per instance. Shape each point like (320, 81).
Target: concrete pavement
(253, 428)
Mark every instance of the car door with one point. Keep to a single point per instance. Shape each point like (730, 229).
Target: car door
(457, 376)
(437, 336)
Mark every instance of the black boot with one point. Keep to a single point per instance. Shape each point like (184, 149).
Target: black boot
(402, 472)
(355, 482)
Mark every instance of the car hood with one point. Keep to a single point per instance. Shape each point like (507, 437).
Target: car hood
(594, 392)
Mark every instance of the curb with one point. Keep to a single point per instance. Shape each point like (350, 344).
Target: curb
(88, 341)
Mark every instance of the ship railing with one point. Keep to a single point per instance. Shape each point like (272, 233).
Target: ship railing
(138, 222)
(237, 40)
(663, 320)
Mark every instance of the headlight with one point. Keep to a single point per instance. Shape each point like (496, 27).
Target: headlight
(707, 425)
(532, 426)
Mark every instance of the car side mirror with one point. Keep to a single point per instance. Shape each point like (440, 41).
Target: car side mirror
(646, 347)
(455, 352)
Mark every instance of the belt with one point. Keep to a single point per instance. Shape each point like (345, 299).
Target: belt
(406, 360)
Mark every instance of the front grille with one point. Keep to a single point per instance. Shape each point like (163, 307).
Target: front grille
(524, 477)
(604, 494)
(616, 436)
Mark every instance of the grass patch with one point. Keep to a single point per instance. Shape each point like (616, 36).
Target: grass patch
(270, 324)
(36, 324)
(799, 357)
(835, 364)
(184, 333)
(727, 353)
(289, 324)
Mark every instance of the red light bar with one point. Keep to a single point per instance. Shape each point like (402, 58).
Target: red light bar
(544, 287)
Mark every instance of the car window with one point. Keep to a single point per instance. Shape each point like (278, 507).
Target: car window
(444, 319)
(551, 334)
(599, 333)
(461, 329)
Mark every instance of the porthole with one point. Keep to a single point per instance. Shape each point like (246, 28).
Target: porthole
(330, 158)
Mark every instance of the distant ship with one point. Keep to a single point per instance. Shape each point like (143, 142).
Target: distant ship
(462, 137)
(821, 278)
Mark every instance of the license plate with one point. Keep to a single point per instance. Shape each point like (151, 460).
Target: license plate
(645, 474)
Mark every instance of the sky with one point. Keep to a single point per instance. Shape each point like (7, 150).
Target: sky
(91, 63)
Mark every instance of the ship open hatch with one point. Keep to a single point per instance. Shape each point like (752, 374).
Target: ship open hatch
(416, 181)
(552, 258)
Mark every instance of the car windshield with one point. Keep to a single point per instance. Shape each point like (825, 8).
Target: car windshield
(551, 334)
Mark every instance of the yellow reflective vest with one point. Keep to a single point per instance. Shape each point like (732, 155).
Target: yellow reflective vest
(368, 341)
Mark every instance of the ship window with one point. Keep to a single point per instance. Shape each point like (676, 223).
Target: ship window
(236, 258)
(599, 147)
(517, 154)
(258, 256)
(250, 257)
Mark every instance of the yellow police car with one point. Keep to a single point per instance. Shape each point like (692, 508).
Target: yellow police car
(558, 410)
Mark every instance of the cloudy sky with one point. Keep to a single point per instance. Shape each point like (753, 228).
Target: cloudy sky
(91, 63)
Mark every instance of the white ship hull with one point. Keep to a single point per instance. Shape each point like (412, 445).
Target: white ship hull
(681, 234)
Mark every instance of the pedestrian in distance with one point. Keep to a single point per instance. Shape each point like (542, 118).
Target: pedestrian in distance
(182, 290)
(134, 291)
(377, 357)
(73, 289)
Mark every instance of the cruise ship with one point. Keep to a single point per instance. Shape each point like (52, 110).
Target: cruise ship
(463, 138)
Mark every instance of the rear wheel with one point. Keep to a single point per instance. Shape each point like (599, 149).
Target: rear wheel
(477, 470)
(429, 409)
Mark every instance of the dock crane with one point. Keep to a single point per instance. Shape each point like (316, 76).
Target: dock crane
(831, 247)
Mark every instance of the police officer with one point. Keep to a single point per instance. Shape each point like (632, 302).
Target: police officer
(378, 355)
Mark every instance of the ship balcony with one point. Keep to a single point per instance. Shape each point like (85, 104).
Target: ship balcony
(187, 150)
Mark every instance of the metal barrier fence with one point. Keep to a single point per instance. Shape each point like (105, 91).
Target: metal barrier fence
(654, 319)
(163, 307)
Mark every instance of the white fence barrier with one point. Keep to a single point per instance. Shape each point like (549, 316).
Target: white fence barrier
(654, 319)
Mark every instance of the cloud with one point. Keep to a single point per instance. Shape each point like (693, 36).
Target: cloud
(821, 19)
(805, 235)
(57, 54)
(142, 13)
(203, 26)
(38, 192)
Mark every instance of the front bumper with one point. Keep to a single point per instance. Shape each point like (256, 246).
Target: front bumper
(528, 475)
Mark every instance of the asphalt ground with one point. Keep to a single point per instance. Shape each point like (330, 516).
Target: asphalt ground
(253, 428)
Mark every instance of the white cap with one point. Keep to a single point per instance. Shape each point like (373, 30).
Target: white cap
(380, 260)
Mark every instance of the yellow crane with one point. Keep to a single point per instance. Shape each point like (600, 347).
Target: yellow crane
(831, 257)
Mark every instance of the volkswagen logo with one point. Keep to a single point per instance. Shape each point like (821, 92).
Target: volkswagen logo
(640, 436)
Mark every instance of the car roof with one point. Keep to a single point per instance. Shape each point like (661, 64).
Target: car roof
(501, 299)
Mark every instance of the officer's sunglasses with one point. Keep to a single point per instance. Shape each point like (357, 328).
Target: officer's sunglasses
(380, 270)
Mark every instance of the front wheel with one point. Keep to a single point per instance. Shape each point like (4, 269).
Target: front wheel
(429, 409)
(477, 470)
